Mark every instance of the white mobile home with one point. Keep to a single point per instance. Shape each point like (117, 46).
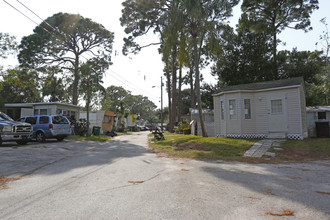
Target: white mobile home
(318, 121)
(273, 109)
(18, 110)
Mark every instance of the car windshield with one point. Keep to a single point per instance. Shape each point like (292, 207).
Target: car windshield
(3, 117)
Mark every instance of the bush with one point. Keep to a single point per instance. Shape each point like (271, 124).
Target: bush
(183, 127)
(80, 127)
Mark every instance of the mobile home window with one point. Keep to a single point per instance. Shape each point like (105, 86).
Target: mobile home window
(321, 115)
(222, 110)
(43, 111)
(247, 109)
(276, 106)
(232, 109)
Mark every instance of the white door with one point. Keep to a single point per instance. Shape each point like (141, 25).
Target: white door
(277, 111)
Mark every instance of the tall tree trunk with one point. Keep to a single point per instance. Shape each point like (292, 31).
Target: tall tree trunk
(168, 83)
(275, 68)
(199, 99)
(192, 88)
(174, 81)
(87, 107)
(179, 94)
(76, 79)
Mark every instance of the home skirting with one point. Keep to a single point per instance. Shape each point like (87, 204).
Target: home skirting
(263, 136)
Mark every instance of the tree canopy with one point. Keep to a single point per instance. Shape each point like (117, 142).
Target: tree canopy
(276, 15)
(65, 40)
(8, 45)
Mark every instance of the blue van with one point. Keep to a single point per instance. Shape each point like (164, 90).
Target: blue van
(48, 126)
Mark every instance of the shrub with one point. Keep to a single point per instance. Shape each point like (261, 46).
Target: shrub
(183, 127)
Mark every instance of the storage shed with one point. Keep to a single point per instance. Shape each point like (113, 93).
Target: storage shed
(103, 119)
(318, 121)
(272, 109)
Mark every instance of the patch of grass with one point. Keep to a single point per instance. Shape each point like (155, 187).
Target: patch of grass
(307, 149)
(196, 147)
(90, 138)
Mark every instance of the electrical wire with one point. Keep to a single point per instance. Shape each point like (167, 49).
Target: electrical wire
(124, 81)
(132, 85)
(35, 14)
(24, 15)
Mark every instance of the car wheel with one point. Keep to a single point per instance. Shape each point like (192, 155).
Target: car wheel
(40, 137)
(21, 142)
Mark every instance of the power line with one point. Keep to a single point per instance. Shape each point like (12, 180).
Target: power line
(35, 14)
(132, 86)
(24, 14)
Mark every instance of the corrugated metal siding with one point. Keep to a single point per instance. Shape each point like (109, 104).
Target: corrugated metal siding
(303, 111)
(294, 111)
(223, 123)
(216, 107)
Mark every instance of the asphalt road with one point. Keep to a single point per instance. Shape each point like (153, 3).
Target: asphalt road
(121, 179)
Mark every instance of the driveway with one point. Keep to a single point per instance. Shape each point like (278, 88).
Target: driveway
(121, 179)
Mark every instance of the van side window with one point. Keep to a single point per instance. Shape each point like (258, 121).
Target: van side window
(43, 120)
(59, 120)
(31, 120)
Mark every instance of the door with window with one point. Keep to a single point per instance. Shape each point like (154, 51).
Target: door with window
(277, 111)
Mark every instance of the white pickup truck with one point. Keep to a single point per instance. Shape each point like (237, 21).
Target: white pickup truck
(11, 130)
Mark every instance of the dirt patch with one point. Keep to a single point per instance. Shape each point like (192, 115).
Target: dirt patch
(5, 180)
(283, 213)
(194, 146)
(301, 155)
(184, 170)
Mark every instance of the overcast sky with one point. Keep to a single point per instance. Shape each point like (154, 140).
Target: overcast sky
(137, 73)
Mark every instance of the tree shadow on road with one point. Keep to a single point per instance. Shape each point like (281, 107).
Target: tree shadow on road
(304, 183)
(35, 157)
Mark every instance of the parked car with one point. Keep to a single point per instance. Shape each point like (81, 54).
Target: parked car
(11, 130)
(48, 126)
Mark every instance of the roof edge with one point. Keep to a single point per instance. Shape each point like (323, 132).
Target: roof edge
(258, 90)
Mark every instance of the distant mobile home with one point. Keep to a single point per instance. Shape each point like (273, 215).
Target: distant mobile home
(318, 121)
(103, 119)
(18, 110)
(208, 117)
(272, 109)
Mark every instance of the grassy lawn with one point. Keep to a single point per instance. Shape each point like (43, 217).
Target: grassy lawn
(195, 147)
(90, 138)
(308, 149)
(188, 146)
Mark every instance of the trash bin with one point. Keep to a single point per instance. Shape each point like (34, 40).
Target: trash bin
(96, 130)
(322, 129)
